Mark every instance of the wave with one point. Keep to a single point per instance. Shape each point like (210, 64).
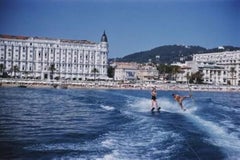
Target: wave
(133, 146)
(108, 108)
(144, 105)
(140, 137)
(218, 135)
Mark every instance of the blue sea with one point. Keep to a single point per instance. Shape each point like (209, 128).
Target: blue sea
(93, 124)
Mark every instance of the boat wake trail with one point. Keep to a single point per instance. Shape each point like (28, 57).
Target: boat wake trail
(216, 134)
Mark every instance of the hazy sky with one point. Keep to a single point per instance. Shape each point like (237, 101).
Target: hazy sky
(131, 25)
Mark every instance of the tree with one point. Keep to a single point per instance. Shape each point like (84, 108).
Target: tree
(233, 72)
(110, 71)
(196, 77)
(14, 69)
(2, 68)
(161, 70)
(188, 77)
(175, 70)
(94, 71)
(52, 69)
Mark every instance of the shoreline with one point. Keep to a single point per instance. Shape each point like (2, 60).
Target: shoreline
(115, 85)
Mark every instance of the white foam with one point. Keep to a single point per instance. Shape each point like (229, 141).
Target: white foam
(144, 105)
(108, 143)
(123, 146)
(231, 109)
(108, 108)
(219, 136)
(112, 156)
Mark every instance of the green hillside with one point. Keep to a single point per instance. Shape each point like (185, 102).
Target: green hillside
(171, 53)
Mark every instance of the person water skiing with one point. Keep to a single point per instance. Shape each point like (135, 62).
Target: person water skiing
(180, 99)
(154, 99)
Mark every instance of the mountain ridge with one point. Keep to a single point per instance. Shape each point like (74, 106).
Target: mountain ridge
(170, 53)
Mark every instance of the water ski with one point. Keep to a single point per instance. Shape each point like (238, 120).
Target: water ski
(152, 110)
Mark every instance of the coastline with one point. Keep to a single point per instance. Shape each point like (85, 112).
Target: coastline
(114, 85)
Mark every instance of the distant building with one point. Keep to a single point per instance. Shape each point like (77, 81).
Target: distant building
(214, 74)
(125, 71)
(69, 59)
(220, 67)
(147, 72)
(134, 71)
(186, 69)
(217, 68)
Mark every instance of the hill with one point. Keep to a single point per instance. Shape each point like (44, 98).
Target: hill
(171, 53)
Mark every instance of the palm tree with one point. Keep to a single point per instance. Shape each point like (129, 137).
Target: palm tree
(197, 77)
(110, 71)
(2, 68)
(15, 69)
(162, 70)
(94, 71)
(175, 70)
(232, 71)
(52, 69)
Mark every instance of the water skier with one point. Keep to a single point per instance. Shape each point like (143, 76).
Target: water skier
(180, 99)
(154, 100)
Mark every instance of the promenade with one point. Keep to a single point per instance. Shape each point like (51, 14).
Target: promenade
(114, 85)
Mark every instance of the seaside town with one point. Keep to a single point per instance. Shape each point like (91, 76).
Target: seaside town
(60, 63)
(120, 79)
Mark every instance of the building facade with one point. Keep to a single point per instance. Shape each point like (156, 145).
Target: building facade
(133, 71)
(147, 72)
(125, 71)
(46, 58)
(220, 67)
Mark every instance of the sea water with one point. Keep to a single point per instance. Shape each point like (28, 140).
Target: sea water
(117, 124)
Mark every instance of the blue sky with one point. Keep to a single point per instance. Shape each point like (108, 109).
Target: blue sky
(131, 25)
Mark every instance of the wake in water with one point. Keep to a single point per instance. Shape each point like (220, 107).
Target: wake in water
(144, 105)
(218, 134)
(117, 124)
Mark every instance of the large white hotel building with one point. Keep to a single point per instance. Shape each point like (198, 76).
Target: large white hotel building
(219, 67)
(71, 59)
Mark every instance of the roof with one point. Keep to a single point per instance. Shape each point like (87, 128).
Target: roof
(104, 37)
(13, 37)
(45, 38)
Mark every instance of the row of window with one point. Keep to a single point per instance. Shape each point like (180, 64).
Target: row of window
(214, 72)
(86, 50)
(59, 68)
(87, 58)
(45, 44)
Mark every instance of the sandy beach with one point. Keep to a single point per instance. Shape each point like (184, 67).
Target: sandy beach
(114, 85)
